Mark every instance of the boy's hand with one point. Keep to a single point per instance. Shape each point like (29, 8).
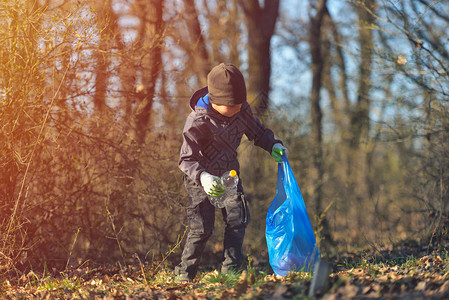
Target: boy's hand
(211, 184)
(277, 152)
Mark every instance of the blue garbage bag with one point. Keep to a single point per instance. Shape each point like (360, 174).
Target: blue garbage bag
(290, 239)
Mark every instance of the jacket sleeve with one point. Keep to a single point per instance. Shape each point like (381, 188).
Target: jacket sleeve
(255, 131)
(191, 162)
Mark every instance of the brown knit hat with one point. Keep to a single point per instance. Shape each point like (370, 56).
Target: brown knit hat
(226, 85)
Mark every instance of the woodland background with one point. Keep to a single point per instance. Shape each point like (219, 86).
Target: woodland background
(94, 95)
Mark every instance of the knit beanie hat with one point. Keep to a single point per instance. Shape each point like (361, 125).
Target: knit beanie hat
(226, 85)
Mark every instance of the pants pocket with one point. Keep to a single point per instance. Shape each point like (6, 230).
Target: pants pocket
(201, 218)
(194, 191)
(236, 212)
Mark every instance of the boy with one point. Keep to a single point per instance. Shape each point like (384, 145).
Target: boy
(211, 135)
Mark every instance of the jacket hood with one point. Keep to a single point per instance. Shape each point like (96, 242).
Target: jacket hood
(197, 96)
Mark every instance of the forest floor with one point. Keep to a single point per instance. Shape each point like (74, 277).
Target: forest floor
(408, 271)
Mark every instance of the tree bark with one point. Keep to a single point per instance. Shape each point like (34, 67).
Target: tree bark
(102, 59)
(360, 115)
(151, 32)
(318, 61)
(260, 22)
(358, 164)
(198, 48)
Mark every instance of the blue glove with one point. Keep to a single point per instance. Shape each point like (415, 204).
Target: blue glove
(211, 184)
(277, 151)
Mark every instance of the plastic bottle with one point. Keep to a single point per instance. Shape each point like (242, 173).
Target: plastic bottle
(229, 181)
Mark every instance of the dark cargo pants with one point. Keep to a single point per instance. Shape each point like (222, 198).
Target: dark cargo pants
(201, 219)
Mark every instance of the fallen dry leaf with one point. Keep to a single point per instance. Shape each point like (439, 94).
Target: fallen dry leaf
(242, 285)
(348, 291)
(421, 286)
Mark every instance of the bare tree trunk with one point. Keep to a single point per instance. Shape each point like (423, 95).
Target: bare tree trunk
(260, 22)
(150, 40)
(339, 109)
(318, 62)
(198, 48)
(360, 116)
(101, 75)
(109, 36)
(234, 33)
(357, 161)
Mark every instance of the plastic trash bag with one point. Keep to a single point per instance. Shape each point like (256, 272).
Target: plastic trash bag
(290, 239)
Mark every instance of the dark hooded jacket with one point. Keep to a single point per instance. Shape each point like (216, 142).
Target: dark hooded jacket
(210, 140)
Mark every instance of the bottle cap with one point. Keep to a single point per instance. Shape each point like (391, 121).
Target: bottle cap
(232, 173)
